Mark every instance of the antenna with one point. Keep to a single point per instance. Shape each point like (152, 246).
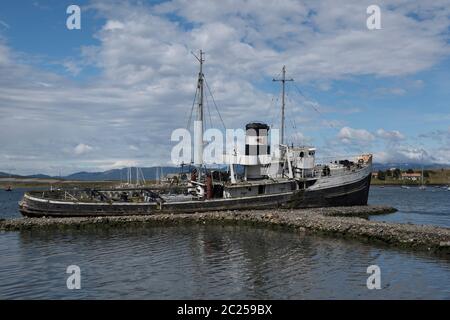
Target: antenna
(283, 81)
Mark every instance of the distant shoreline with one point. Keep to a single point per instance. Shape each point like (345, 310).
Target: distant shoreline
(399, 183)
(56, 183)
(431, 177)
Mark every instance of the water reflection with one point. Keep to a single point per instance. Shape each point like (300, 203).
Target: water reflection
(207, 262)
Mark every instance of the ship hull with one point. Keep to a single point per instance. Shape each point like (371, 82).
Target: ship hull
(348, 194)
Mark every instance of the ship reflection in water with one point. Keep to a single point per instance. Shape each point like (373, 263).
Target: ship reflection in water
(210, 262)
(222, 262)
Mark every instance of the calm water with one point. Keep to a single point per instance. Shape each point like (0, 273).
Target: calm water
(429, 206)
(231, 262)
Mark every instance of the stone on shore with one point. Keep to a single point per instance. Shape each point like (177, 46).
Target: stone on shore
(337, 221)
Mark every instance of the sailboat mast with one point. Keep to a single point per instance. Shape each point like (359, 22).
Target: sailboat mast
(199, 128)
(422, 168)
(283, 104)
(200, 84)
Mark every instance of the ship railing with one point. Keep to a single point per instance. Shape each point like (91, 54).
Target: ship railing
(333, 159)
(344, 171)
(73, 195)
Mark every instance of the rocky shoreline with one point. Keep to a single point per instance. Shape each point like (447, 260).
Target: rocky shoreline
(340, 221)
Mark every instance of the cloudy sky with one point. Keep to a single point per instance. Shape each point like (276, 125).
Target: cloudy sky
(110, 94)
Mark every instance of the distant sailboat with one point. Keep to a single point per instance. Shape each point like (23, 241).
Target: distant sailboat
(422, 186)
(9, 188)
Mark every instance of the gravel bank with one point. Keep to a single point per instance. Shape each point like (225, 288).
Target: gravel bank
(341, 221)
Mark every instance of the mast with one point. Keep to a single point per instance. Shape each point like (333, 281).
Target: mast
(283, 83)
(422, 169)
(200, 85)
(422, 174)
(137, 176)
(198, 127)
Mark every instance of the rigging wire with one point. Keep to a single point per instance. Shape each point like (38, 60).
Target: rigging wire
(214, 102)
(291, 117)
(270, 109)
(192, 109)
(278, 75)
(304, 96)
(278, 113)
(208, 107)
(313, 104)
(330, 124)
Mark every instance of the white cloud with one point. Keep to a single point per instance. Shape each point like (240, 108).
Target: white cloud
(393, 135)
(119, 164)
(441, 155)
(299, 138)
(146, 73)
(360, 136)
(72, 67)
(316, 40)
(134, 148)
(405, 153)
(4, 54)
(81, 149)
(113, 25)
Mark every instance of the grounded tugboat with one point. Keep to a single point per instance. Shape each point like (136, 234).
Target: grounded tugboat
(291, 179)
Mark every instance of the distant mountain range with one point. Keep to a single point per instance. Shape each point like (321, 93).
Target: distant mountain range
(151, 173)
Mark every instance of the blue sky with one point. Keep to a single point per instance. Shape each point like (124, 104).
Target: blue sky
(110, 94)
